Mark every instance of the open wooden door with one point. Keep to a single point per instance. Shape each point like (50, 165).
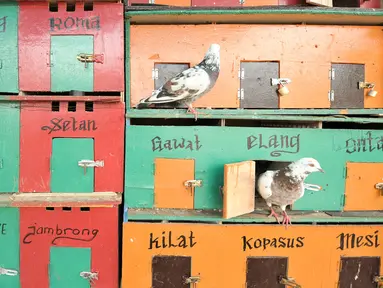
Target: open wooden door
(327, 3)
(239, 189)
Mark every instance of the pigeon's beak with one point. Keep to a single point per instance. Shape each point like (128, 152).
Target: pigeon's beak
(321, 170)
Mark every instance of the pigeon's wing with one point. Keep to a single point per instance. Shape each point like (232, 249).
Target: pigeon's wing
(188, 83)
(264, 184)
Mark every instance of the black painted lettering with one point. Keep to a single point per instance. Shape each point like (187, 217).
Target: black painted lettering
(59, 233)
(70, 124)
(74, 23)
(352, 241)
(3, 227)
(3, 24)
(364, 144)
(278, 144)
(159, 144)
(267, 243)
(169, 240)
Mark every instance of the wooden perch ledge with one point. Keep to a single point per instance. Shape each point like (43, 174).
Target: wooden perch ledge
(96, 199)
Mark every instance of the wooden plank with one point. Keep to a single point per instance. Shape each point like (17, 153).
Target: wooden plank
(169, 188)
(239, 189)
(96, 199)
(43, 98)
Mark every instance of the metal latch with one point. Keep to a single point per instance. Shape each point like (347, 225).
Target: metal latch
(90, 163)
(312, 187)
(192, 280)
(90, 276)
(8, 272)
(280, 81)
(88, 58)
(193, 183)
(379, 186)
(290, 282)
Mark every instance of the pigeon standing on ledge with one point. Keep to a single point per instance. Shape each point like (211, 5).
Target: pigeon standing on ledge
(283, 187)
(189, 85)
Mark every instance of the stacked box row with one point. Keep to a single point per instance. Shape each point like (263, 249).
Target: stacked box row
(54, 246)
(250, 3)
(79, 50)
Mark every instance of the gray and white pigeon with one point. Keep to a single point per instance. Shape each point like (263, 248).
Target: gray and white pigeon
(285, 186)
(189, 85)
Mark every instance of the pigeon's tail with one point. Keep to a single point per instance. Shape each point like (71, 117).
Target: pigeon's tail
(143, 105)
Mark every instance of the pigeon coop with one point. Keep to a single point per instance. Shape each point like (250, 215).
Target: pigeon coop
(69, 47)
(183, 167)
(168, 255)
(9, 76)
(79, 147)
(264, 66)
(74, 246)
(9, 248)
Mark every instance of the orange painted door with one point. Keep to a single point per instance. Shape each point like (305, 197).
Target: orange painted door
(360, 191)
(169, 183)
(239, 189)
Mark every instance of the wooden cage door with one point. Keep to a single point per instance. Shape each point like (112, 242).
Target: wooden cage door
(265, 272)
(170, 271)
(239, 189)
(366, 268)
(360, 191)
(169, 183)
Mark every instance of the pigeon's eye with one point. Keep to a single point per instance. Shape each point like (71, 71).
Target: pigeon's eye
(311, 165)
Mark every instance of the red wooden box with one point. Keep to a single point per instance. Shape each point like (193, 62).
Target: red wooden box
(56, 245)
(52, 143)
(50, 43)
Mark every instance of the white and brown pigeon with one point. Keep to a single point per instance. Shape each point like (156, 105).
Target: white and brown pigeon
(189, 85)
(285, 186)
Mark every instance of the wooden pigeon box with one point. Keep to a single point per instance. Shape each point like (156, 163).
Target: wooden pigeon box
(204, 168)
(9, 248)
(175, 254)
(72, 147)
(75, 247)
(69, 47)
(263, 66)
(9, 77)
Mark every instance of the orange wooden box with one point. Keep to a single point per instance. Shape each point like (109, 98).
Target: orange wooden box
(231, 255)
(303, 53)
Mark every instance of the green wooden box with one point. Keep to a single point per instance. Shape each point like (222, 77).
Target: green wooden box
(9, 248)
(352, 160)
(9, 75)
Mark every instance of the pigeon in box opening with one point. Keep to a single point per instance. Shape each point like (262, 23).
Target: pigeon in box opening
(286, 185)
(187, 86)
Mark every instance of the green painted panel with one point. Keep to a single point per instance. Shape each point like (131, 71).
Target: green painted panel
(9, 246)
(68, 73)
(221, 145)
(65, 266)
(9, 75)
(66, 175)
(9, 147)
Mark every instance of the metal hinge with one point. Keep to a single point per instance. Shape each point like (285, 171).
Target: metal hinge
(331, 74)
(8, 272)
(290, 282)
(331, 95)
(241, 94)
(242, 2)
(90, 276)
(90, 163)
(192, 280)
(241, 73)
(155, 73)
(151, 1)
(193, 183)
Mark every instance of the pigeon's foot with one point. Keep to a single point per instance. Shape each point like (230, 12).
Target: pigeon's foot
(193, 111)
(286, 219)
(275, 215)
